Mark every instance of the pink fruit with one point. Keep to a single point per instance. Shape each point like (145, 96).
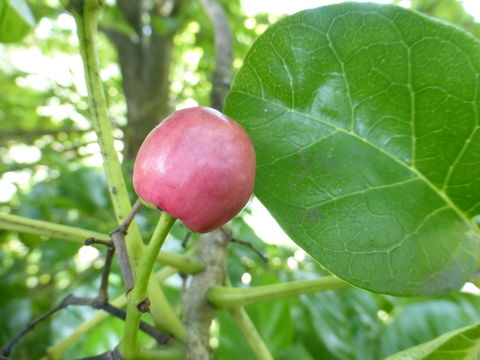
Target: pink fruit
(198, 165)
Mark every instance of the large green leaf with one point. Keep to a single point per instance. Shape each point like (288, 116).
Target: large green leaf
(365, 120)
(16, 20)
(460, 344)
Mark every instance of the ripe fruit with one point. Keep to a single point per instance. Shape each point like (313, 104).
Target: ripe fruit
(198, 165)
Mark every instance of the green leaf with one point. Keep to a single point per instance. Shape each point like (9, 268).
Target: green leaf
(16, 20)
(415, 321)
(355, 309)
(460, 344)
(365, 120)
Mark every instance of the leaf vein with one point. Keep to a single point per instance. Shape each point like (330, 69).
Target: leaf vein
(412, 169)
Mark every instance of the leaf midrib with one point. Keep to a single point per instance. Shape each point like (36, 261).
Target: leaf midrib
(417, 173)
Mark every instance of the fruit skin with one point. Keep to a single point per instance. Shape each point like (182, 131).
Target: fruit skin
(198, 165)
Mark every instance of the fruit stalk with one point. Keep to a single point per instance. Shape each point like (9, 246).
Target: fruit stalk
(138, 301)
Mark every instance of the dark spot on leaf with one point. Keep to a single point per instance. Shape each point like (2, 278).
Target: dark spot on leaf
(314, 214)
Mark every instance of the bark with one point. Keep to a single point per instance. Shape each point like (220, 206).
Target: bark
(222, 74)
(198, 313)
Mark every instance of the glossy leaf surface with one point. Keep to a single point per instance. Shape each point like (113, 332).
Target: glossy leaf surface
(365, 120)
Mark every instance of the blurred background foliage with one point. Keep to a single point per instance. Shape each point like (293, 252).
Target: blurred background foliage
(49, 170)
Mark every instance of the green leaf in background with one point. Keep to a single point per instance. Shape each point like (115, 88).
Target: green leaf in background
(460, 344)
(16, 20)
(365, 120)
(410, 322)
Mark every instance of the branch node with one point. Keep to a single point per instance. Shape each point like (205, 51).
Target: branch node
(254, 249)
(144, 306)
(121, 230)
(92, 241)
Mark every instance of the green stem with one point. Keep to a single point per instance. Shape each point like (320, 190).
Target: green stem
(227, 297)
(45, 228)
(187, 264)
(86, 15)
(139, 292)
(250, 332)
(184, 263)
(247, 327)
(170, 352)
(138, 296)
(87, 21)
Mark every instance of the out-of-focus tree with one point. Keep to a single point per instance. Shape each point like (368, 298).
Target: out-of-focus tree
(451, 11)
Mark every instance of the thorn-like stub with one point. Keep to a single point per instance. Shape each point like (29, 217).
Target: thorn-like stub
(144, 306)
(89, 241)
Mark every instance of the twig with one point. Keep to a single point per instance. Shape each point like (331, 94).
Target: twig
(109, 355)
(102, 297)
(129, 218)
(160, 337)
(249, 245)
(118, 239)
(93, 241)
(45, 228)
(57, 351)
(185, 240)
(8, 348)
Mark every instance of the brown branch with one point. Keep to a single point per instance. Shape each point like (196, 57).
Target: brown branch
(129, 218)
(92, 241)
(109, 355)
(222, 74)
(8, 348)
(118, 239)
(247, 244)
(101, 300)
(254, 249)
(102, 297)
(161, 337)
